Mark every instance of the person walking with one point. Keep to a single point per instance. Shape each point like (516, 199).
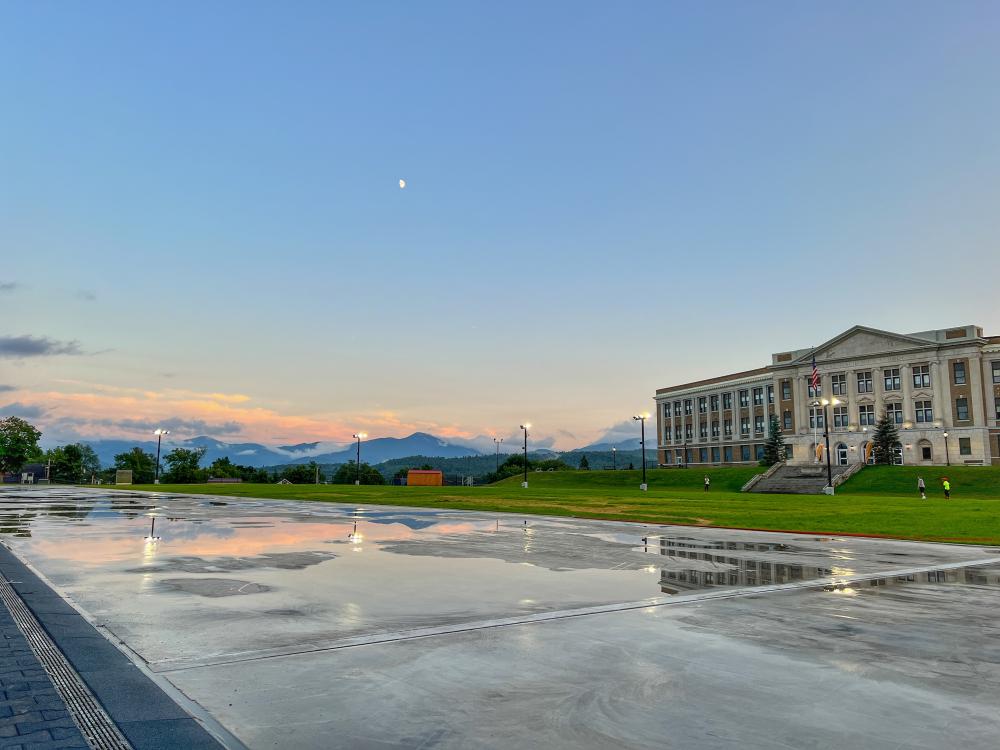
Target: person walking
(921, 488)
(947, 488)
(708, 483)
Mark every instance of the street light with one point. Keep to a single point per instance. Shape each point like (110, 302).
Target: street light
(864, 445)
(947, 457)
(614, 458)
(826, 435)
(498, 452)
(641, 419)
(358, 436)
(526, 426)
(159, 436)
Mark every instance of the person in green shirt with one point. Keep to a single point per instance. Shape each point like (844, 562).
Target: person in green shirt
(947, 488)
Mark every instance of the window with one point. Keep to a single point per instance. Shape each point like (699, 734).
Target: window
(667, 457)
(727, 454)
(770, 394)
(925, 413)
(865, 382)
(840, 417)
(965, 446)
(838, 384)
(727, 427)
(815, 392)
(744, 398)
(745, 425)
(703, 455)
(816, 418)
(702, 405)
(786, 390)
(890, 378)
(758, 424)
(786, 420)
(788, 451)
(925, 453)
(962, 408)
(922, 376)
(715, 428)
(727, 400)
(866, 414)
(745, 452)
(895, 412)
(996, 371)
(760, 452)
(677, 433)
(677, 408)
(958, 372)
(703, 431)
(688, 432)
(687, 406)
(715, 455)
(715, 403)
(758, 396)
(996, 406)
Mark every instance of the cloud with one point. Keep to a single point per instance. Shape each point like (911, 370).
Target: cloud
(7, 388)
(177, 425)
(9, 286)
(87, 295)
(627, 430)
(26, 411)
(16, 347)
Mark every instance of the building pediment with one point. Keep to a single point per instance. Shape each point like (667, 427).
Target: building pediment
(861, 341)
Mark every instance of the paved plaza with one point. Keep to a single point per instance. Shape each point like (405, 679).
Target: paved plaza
(279, 624)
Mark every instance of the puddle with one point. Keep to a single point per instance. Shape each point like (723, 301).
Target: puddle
(251, 575)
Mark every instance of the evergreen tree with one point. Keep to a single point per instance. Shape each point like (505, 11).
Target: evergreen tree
(885, 440)
(584, 464)
(774, 448)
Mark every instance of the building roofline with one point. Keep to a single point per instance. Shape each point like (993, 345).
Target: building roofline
(710, 381)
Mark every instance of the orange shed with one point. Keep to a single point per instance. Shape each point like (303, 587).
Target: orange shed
(424, 478)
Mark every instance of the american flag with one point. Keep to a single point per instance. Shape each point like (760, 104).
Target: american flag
(814, 378)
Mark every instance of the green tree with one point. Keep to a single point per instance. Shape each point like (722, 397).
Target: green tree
(774, 448)
(885, 440)
(141, 464)
(584, 464)
(184, 466)
(347, 473)
(75, 463)
(302, 473)
(18, 444)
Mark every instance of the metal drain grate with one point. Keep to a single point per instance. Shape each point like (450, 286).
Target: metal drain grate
(94, 723)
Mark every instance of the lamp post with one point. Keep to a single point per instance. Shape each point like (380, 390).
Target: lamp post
(614, 458)
(358, 436)
(641, 419)
(947, 457)
(498, 452)
(864, 445)
(159, 436)
(826, 435)
(526, 426)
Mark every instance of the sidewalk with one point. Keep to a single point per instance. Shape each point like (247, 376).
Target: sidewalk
(117, 705)
(32, 715)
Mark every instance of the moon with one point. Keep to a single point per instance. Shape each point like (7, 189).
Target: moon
(402, 184)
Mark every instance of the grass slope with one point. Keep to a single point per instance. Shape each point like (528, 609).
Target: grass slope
(880, 501)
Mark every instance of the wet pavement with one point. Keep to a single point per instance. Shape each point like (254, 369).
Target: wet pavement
(301, 624)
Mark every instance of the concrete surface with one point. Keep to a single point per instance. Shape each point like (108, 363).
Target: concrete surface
(314, 625)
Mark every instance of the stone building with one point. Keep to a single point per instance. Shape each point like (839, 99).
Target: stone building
(941, 387)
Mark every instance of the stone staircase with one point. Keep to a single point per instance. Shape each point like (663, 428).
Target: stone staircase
(802, 479)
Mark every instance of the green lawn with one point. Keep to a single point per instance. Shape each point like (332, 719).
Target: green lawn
(880, 501)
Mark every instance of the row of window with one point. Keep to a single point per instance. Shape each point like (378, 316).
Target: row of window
(716, 454)
(891, 380)
(704, 404)
(923, 414)
(686, 432)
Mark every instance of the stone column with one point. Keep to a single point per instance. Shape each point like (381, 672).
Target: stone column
(906, 376)
(939, 386)
(976, 392)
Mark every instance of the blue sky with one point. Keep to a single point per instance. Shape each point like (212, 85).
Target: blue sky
(602, 199)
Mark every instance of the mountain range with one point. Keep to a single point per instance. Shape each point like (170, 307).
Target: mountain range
(373, 451)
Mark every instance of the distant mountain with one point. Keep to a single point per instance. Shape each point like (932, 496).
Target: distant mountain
(377, 450)
(255, 454)
(632, 444)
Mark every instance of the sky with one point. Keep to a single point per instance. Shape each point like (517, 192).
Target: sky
(201, 221)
